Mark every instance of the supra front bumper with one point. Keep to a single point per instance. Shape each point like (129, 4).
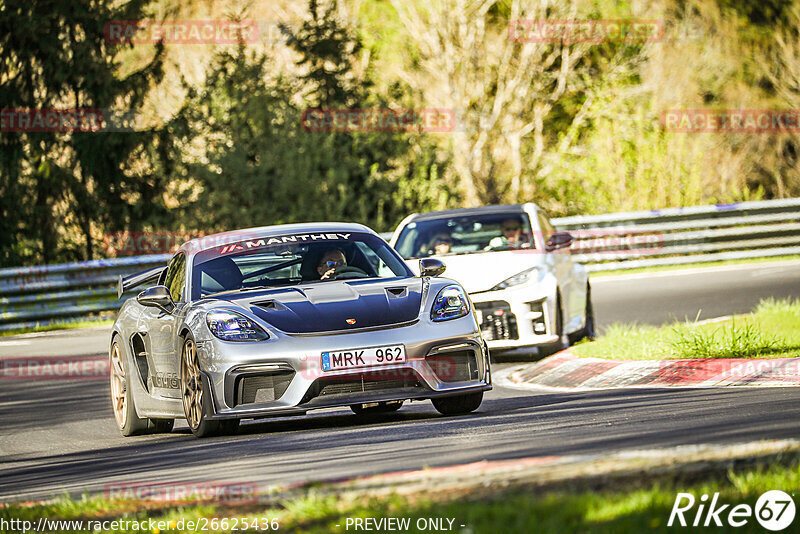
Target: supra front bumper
(283, 375)
(517, 317)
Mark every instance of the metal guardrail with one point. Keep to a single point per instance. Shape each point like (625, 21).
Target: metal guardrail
(678, 236)
(675, 236)
(68, 292)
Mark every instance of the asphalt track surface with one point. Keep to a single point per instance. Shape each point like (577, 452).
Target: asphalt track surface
(58, 436)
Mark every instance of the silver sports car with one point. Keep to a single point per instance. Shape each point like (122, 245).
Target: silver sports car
(283, 319)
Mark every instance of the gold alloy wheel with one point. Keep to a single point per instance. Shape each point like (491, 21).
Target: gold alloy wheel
(119, 399)
(192, 385)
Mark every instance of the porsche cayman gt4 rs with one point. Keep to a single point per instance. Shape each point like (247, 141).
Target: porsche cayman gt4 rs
(284, 319)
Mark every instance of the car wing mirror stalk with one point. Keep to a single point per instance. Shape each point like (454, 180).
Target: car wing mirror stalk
(156, 297)
(559, 240)
(430, 267)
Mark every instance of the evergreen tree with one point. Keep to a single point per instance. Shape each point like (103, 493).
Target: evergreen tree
(59, 187)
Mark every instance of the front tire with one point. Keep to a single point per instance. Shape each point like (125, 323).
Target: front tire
(459, 404)
(588, 330)
(195, 400)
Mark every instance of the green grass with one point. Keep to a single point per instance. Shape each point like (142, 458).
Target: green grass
(694, 265)
(771, 331)
(623, 509)
(58, 326)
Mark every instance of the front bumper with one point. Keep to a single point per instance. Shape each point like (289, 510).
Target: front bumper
(516, 318)
(283, 375)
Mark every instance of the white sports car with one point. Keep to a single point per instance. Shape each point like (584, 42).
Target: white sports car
(528, 294)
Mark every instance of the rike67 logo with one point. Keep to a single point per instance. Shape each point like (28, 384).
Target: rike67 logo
(774, 510)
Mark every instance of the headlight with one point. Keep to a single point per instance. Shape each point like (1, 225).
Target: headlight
(232, 326)
(450, 303)
(517, 279)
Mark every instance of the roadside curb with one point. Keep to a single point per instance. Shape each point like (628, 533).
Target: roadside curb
(596, 471)
(679, 465)
(566, 370)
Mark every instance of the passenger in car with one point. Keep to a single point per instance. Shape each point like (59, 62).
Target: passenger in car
(513, 236)
(440, 244)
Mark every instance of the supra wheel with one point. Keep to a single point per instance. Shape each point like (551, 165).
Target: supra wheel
(122, 401)
(588, 330)
(459, 404)
(194, 396)
(382, 407)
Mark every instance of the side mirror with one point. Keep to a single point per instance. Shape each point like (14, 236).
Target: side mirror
(157, 297)
(559, 240)
(430, 267)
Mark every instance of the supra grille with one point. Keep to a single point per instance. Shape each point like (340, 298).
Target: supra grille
(457, 366)
(263, 388)
(498, 321)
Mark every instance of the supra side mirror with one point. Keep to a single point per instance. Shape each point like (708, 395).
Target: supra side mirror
(157, 297)
(431, 267)
(559, 240)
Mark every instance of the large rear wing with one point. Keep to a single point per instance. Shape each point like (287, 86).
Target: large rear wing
(125, 283)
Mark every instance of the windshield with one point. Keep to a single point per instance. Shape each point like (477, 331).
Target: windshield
(294, 259)
(465, 235)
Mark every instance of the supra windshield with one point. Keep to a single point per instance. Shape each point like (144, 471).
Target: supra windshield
(294, 259)
(465, 235)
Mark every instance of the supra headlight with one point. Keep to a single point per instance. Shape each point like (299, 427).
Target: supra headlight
(517, 279)
(450, 303)
(232, 326)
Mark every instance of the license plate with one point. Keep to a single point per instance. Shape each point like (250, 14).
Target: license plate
(353, 358)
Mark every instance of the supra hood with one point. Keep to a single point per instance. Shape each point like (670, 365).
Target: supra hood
(484, 270)
(334, 305)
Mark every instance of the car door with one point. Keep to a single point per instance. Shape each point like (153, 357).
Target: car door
(160, 329)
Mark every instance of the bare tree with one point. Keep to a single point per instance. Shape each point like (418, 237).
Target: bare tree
(501, 85)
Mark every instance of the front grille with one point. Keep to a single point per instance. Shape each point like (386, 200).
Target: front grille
(360, 386)
(456, 366)
(262, 388)
(362, 383)
(498, 322)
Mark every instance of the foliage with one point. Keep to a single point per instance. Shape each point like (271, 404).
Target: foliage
(573, 126)
(259, 164)
(55, 56)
